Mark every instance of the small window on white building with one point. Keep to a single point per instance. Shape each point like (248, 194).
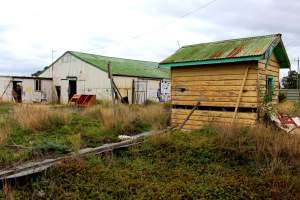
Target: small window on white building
(38, 85)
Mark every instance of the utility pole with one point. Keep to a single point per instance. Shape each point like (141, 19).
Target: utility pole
(110, 76)
(178, 44)
(52, 60)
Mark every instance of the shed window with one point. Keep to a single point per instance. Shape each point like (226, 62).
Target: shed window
(270, 88)
(38, 85)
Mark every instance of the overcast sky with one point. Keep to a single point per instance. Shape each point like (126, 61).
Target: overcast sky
(138, 29)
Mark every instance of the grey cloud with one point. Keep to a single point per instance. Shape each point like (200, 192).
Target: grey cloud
(235, 18)
(224, 19)
(12, 65)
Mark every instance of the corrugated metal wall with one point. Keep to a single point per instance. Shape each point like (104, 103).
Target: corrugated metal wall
(291, 94)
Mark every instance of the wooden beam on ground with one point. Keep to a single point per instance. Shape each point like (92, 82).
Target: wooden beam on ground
(240, 94)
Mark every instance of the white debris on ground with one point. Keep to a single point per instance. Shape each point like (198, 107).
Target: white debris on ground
(125, 137)
(288, 124)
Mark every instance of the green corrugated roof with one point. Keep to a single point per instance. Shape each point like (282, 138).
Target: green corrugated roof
(124, 67)
(252, 48)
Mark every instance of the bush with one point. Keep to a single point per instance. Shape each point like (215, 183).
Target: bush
(48, 147)
(281, 97)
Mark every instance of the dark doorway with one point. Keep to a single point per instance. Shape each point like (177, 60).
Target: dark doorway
(72, 88)
(17, 91)
(58, 92)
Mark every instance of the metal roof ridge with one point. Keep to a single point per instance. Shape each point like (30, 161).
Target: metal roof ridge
(129, 59)
(237, 39)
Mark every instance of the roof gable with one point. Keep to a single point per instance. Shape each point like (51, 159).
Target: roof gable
(237, 50)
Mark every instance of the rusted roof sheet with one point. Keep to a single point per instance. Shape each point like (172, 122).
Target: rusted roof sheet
(237, 48)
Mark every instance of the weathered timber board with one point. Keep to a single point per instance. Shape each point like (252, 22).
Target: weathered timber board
(215, 114)
(217, 104)
(201, 77)
(213, 93)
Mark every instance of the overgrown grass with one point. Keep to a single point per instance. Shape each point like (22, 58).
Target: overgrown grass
(272, 150)
(39, 117)
(212, 163)
(38, 131)
(132, 119)
(289, 107)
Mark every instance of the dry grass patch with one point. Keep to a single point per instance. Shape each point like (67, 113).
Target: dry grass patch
(278, 148)
(129, 119)
(289, 107)
(38, 117)
(4, 131)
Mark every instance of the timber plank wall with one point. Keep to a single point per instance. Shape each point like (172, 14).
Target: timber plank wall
(272, 69)
(218, 86)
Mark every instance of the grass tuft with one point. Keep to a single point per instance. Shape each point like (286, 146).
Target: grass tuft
(289, 107)
(270, 147)
(130, 119)
(38, 117)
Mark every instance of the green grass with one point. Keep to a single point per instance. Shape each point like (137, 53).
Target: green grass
(58, 134)
(5, 107)
(53, 141)
(197, 165)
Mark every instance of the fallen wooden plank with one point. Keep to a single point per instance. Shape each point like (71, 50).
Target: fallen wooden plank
(36, 167)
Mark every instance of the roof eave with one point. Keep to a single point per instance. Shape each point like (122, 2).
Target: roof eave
(146, 77)
(286, 63)
(211, 62)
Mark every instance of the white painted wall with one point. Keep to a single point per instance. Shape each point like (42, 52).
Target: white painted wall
(5, 85)
(91, 80)
(29, 95)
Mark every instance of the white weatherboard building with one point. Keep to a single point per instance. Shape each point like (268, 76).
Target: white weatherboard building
(82, 73)
(25, 89)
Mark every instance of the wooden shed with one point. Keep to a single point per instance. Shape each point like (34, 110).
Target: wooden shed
(225, 81)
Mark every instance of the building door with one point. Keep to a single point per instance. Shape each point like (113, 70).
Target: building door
(72, 88)
(17, 91)
(58, 93)
(270, 88)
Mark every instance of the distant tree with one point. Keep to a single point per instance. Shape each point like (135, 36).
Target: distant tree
(290, 81)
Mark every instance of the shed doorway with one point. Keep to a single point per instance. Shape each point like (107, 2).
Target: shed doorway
(58, 93)
(270, 88)
(72, 88)
(17, 91)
